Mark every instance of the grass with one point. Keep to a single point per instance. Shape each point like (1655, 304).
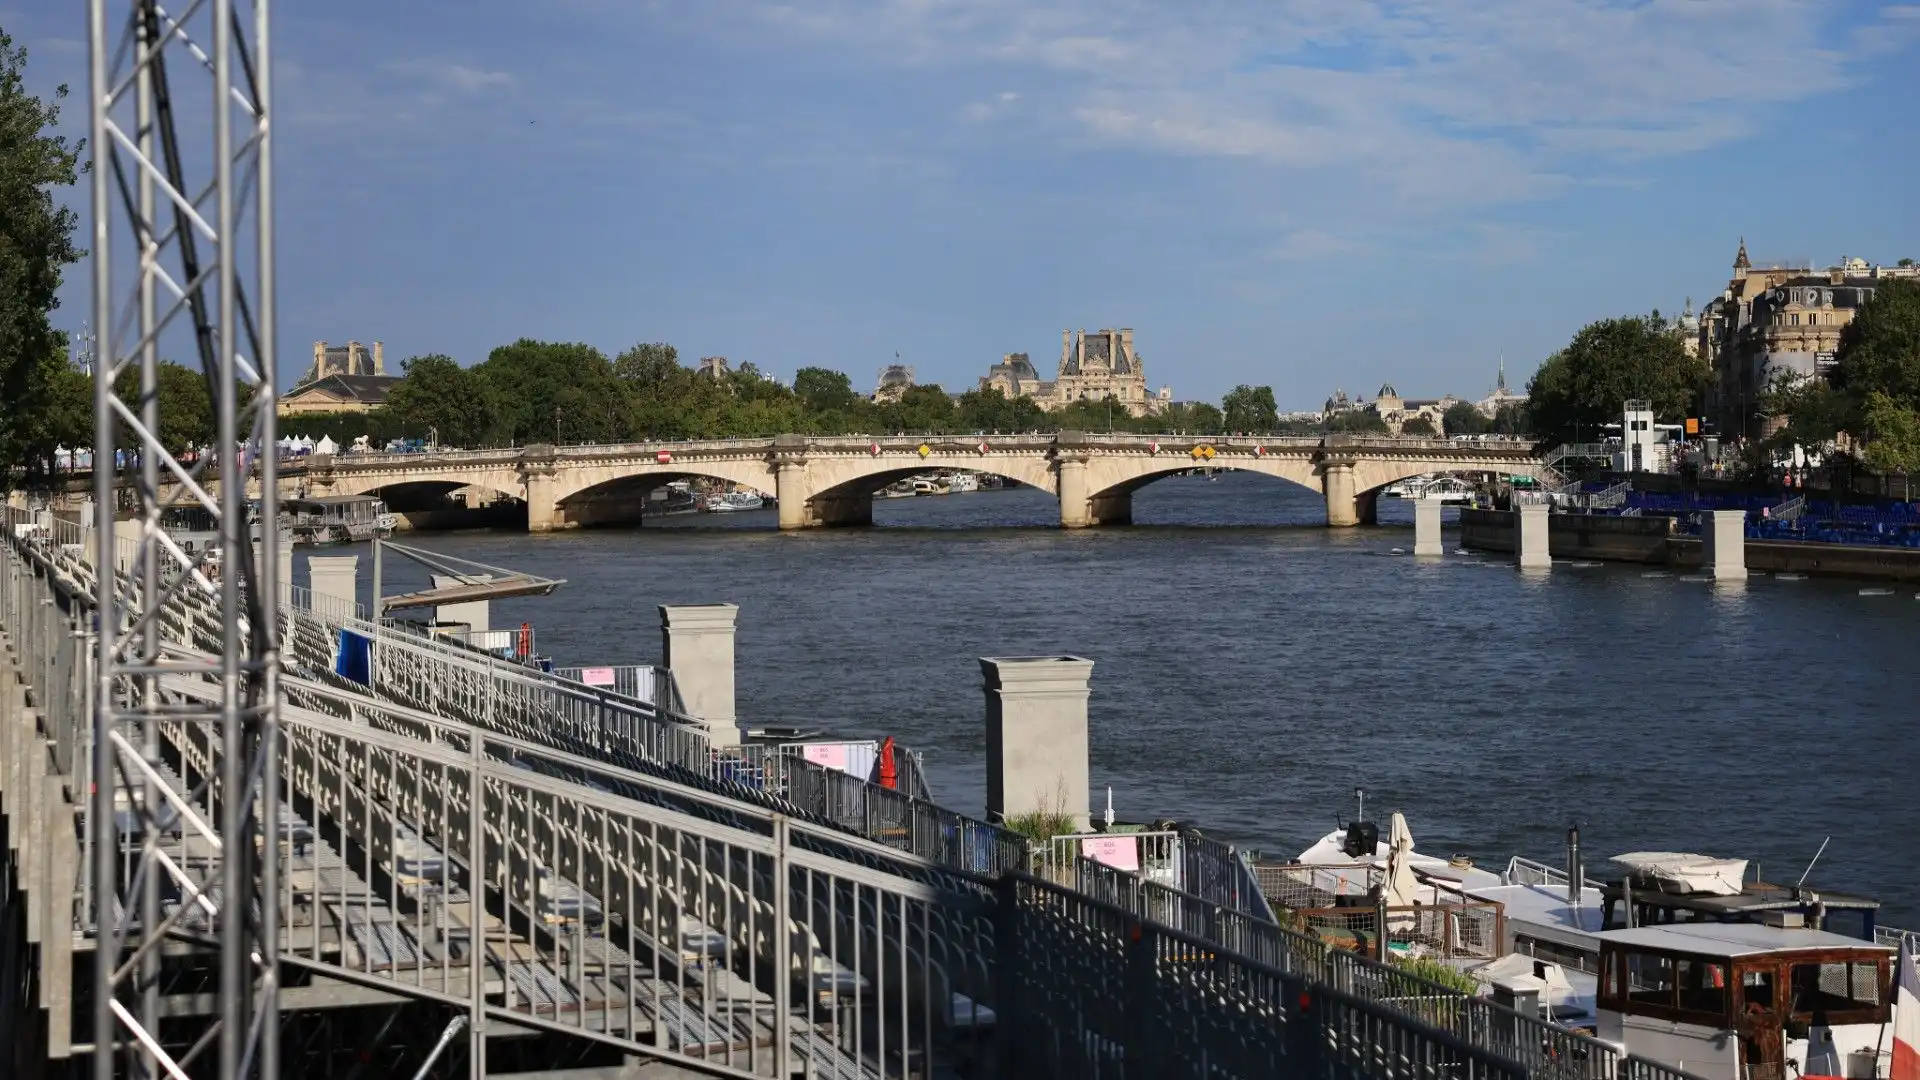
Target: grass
(1435, 971)
(1042, 825)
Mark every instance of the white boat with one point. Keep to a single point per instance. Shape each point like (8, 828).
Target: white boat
(1447, 489)
(734, 502)
(965, 481)
(927, 487)
(1685, 873)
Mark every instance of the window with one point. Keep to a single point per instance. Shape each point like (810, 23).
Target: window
(1703, 987)
(1756, 991)
(1650, 979)
(1820, 989)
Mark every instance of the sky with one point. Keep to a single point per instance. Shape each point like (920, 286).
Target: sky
(1307, 194)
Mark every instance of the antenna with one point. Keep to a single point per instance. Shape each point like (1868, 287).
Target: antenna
(1109, 806)
(1360, 794)
(1816, 858)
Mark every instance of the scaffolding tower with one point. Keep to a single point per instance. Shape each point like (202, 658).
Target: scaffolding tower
(182, 248)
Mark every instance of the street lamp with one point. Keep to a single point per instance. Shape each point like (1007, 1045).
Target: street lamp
(556, 425)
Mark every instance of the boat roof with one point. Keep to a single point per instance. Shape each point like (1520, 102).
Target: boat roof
(333, 500)
(1732, 940)
(1756, 896)
(1545, 907)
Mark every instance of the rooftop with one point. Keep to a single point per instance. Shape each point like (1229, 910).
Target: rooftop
(1731, 940)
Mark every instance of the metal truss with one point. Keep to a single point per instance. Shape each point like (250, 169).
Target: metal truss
(183, 261)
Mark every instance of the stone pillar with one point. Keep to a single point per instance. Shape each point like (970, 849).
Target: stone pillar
(283, 554)
(790, 481)
(696, 647)
(836, 511)
(1532, 546)
(334, 581)
(537, 469)
(1076, 511)
(1037, 736)
(1724, 545)
(1426, 528)
(1366, 507)
(1336, 479)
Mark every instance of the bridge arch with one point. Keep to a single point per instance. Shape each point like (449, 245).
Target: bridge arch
(502, 484)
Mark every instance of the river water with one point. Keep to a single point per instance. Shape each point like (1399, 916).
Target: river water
(1252, 668)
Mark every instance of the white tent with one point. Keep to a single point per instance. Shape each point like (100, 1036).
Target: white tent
(326, 445)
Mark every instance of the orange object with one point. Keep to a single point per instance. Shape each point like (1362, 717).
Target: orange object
(889, 776)
(526, 640)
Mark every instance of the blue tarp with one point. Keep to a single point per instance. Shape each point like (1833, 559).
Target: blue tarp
(354, 658)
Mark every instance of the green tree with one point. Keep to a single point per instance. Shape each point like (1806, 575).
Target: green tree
(1419, 425)
(1512, 419)
(1892, 434)
(186, 407)
(445, 401)
(1250, 408)
(921, 409)
(824, 390)
(656, 364)
(990, 410)
(1196, 417)
(1607, 364)
(1880, 349)
(552, 390)
(1357, 422)
(62, 415)
(1464, 418)
(36, 242)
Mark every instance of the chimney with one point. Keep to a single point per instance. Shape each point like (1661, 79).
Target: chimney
(354, 350)
(319, 359)
(379, 359)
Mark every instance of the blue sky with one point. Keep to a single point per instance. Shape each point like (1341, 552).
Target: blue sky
(1302, 193)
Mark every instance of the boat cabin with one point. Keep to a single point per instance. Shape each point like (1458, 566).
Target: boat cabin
(337, 519)
(1744, 1001)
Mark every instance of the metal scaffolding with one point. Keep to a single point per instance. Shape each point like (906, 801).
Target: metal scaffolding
(183, 245)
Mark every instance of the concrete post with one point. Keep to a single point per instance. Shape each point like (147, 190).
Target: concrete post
(283, 556)
(1343, 509)
(334, 581)
(1075, 509)
(696, 647)
(1037, 736)
(1532, 549)
(1724, 545)
(1426, 528)
(477, 614)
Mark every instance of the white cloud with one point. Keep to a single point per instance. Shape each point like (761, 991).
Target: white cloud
(1444, 101)
(458, 77)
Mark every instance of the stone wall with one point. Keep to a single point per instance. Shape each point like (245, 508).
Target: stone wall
(1650, 540)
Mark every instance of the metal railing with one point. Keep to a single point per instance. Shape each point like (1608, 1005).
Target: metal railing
(1791, 510)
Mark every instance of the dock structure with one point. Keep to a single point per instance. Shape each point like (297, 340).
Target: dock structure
(524, 870)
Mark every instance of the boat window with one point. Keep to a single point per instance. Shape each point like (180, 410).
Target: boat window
(1703, 987)
(1835, 987)
(1650, 979)
(1756, 989)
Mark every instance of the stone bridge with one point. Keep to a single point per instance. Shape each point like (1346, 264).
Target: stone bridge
(830, 481)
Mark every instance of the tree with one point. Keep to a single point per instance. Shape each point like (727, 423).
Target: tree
(824, 390)
(1464, 418)
(1357, 422)
(551, 390)
(921, 409)
(990, 410)
(1419, 425)
(1607, 364)
(61, 415)
(441, 399)
(36, 242)
(1892, 434)
(1197, 417)
(1880, 349)
(650, 366)
(1250, 408)
(1512, 419)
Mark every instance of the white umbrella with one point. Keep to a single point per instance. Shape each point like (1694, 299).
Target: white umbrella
(1401, 886)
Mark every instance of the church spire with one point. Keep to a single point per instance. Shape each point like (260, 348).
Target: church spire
(1500, 384)
(1740, 261)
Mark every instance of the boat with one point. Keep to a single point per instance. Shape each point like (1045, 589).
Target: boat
(1683, 977)
(923, 486)
(899, 489)
(734, 502)
(1446, 489)
(338, 519)
(960, 482)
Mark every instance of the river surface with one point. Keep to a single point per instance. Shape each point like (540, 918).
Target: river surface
(1252, 668)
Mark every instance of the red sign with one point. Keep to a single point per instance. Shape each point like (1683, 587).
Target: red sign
(664, 457)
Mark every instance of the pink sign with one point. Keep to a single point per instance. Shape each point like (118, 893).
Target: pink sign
(827, 755)
(597, 676)
(1119, 852)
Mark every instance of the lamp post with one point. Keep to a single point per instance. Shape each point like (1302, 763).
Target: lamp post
(556, 425)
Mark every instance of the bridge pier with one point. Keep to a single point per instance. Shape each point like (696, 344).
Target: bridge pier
(790, 491)
(1343, 506)
(1111, 508)
(543, 510)
(1076, 507)
(834, 511)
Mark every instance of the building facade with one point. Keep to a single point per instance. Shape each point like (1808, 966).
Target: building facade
(893, 382)
(1777, 323)
(349, 359)
(1100, 365)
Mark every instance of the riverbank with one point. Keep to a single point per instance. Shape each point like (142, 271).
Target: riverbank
(1653, 541)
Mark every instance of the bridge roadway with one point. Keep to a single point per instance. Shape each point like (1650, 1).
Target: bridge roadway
(830, 481)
